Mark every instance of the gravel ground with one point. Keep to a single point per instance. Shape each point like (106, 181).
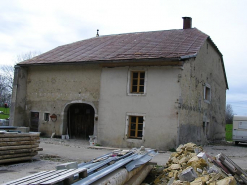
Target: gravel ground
(57, 151)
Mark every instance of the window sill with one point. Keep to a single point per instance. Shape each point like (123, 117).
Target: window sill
(207, 101)
(136, 94)
(135, 140)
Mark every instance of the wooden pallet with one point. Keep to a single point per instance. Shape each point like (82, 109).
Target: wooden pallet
(51, 177)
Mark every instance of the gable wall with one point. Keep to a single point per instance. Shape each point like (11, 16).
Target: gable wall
(158, 105)
(205, 69)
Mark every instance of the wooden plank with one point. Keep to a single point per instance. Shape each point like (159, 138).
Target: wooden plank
(4, 135)
(3, 161)
(7, 152)
(18, 147)
(81, 171)
(161, 62)
(24, 178)
(18, 155)
(18, 143)
(19, 139)
(233, 167)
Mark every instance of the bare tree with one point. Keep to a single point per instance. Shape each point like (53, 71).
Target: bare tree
(5, 91)
(229, 114)
(27, 56)
(7, 77)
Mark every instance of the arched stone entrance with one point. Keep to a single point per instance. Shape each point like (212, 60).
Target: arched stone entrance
(80, 120)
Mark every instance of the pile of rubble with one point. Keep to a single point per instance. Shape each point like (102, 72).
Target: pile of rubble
(190, 165)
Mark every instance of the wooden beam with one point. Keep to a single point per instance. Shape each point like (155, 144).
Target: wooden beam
(18, 155)
(3, 161)
(18, 143)
(157, 63)
(7, 135)
(31, 150)
(19, 139)
(18, 147)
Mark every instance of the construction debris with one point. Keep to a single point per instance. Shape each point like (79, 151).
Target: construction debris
(128, 167)
(15, 147)
(190, 165)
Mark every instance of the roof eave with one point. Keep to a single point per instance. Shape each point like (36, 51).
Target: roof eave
(221, 56)
(102, 62)
(188, 56)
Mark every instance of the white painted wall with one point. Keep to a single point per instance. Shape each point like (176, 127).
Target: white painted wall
(158, 105)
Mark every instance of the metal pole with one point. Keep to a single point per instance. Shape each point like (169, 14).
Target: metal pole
(98, 175)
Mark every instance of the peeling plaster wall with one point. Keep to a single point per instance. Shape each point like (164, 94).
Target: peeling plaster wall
(51, 89)
(158, 105)
(205, 69)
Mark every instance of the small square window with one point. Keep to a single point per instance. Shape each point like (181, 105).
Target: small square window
(46, 116)
(207, 93)
(135, 130)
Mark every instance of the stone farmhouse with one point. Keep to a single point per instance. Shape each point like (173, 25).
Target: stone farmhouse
(155, 89)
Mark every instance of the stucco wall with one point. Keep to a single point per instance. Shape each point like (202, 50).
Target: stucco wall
(52, 88)
(18, 101)
(158, 105)
(206, 69)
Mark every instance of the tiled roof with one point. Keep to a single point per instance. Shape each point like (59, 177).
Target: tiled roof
(167, 44)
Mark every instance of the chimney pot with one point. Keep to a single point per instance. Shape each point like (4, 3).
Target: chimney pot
(187, 22)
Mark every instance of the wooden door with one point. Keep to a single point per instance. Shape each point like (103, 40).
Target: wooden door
(34, 126)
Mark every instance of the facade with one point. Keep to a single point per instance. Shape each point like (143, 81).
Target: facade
(156, 89)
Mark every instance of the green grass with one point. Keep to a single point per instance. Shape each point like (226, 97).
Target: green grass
(229, 132)
(6, 113)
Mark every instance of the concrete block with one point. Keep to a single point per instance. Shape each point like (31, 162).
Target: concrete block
(202, 155)
(71, 165)
(188, 174)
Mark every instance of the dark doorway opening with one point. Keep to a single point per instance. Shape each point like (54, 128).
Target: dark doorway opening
(80, 121)
(34, 126)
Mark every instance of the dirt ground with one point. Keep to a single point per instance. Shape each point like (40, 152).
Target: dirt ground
(57, 151)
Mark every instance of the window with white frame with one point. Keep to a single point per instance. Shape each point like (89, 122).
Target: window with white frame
(137, 82)
(135, 126)
(46, 116)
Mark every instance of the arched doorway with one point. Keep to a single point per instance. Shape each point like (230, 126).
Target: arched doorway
(80, 121)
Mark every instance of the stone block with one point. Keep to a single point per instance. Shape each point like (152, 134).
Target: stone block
(175, 166)
(188, 174)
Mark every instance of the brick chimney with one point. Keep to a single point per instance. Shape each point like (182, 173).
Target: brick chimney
(187, 22)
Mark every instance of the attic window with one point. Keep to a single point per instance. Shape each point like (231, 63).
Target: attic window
(207, 93)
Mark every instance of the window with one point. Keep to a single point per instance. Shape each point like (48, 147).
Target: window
(135, 130)
(207, 93)
(46, 116)
(137, 82)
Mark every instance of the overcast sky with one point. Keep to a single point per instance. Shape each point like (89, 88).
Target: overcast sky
(41, 25)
